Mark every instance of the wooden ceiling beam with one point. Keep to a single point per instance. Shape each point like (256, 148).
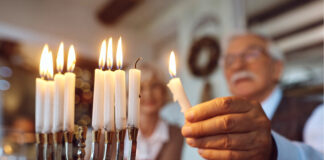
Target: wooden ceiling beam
(276, 11)
(114, 10)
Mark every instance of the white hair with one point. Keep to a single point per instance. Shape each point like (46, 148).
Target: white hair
(272, 48)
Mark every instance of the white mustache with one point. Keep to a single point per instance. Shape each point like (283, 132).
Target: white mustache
(242, 74)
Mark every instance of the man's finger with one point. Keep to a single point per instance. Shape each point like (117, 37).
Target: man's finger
(232, 123)
(217, 106)
(212, 154)
(240, 141)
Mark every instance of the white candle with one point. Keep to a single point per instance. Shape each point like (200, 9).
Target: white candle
(134, 84)
(40, 93)
(49, 95)
(69, 92)
(59, 82)
(109, 92)
(98, 95)
(39, 110)
(176, 87)
(120, 91)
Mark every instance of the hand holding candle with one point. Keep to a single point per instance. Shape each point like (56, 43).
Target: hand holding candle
(176, 87)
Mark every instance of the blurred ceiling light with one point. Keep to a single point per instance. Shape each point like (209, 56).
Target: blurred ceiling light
(4, 85)
(7, 149)
(5, 71)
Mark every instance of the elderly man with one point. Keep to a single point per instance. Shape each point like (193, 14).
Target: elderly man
(238, 127)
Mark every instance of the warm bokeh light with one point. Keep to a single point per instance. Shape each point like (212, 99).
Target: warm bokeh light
(60, 58)
(172, 65)
(42, 64)
(7, 148)
(110, 54)
(49, 64)
(71, 59)
(102, 57)
(119, 54)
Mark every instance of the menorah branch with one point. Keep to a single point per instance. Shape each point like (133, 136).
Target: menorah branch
(120, 144)
(68, 138)
(109, 135)
(132, 135)
(95, 144)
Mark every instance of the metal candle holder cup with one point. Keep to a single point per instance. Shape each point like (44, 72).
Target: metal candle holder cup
(48, 146)
(58, 138)
(95, 144)
(109, 135)
(68, 138)
(132, 135)
(120, 144)
(39, 146)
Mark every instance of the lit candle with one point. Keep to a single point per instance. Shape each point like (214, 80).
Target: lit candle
(98, 95)
(109, 91)
(59, 91)
(120, 90)
(69, 91)
(176, 87)
(49, 95)
(134, 84)
(40, 92)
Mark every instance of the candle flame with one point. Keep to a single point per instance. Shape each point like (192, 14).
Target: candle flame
(119, 54)
(110, 54)
(71, 59)
(172, 65)
(49, 72)
(60, 58)
(102, 57)
(42, 64)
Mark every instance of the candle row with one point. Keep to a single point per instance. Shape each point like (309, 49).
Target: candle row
(55, 97)
(109, 101)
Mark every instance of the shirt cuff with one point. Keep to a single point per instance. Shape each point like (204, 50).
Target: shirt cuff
(294, 150)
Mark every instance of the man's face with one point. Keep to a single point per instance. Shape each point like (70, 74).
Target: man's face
(249, 69)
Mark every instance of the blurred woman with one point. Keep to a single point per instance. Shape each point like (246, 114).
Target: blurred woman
(157, 140)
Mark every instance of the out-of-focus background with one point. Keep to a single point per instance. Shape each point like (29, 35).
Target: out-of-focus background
(150, 29)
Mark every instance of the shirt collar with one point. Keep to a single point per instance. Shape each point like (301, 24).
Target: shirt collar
(160, 134)
(271, 104)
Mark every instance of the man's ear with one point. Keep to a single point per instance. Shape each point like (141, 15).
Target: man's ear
(277, 70)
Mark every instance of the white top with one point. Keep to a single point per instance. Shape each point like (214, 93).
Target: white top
(271, 104)
(314, 129)
(148, 148)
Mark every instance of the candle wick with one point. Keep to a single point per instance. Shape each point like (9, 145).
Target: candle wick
(101, 68)
(138, 59)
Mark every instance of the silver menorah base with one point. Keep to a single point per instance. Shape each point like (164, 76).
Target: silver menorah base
(50, 146)
(132, 135)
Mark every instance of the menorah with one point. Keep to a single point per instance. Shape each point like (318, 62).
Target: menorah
(49, 146)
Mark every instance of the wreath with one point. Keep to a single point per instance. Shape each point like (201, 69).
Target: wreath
(213, 48)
